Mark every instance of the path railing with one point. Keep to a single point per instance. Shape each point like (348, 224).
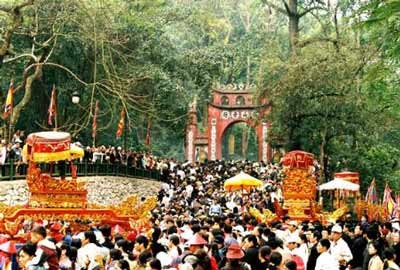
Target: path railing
(13, 171)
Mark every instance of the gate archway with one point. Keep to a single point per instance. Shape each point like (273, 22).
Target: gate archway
(230, 104)
(239, 142)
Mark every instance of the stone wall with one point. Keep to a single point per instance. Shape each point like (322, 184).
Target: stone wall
(101, 190)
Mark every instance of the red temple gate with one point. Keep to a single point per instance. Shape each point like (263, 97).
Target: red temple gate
(230, 104)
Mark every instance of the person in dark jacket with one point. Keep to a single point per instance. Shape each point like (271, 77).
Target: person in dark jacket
(358, 247)
(251, 251)
(372, 234)
(312, 258)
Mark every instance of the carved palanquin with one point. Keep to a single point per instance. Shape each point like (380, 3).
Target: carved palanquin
(46, 190)
(299, 186)
(65, 198)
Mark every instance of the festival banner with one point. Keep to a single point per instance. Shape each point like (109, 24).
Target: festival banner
(396, 208)
(53, 107)
(9, 102)
(388, 203)
(147, 142)
(371, 196)
(121, 123)
(94, 124)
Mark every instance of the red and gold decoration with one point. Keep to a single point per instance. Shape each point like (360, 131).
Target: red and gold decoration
(46, 147)
(9, 102)
(53, 107)
(121, 123)
(266, 216)
(299, 186)
(353, 177)
(65, 199)
(94, 124)
(298, 160)
(148, 133)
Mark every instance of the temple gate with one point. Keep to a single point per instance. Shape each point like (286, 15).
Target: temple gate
(230, 104)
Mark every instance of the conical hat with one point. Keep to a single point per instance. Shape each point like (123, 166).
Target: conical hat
(234, 252)
(196, 240)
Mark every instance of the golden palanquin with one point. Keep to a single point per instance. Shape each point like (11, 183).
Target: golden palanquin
(63, 198)
(299, 185)
(45, 190)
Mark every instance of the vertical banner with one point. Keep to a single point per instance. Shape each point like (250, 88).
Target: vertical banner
(213, 147)
(264, 141)
(121, 123)
(147, 141)
(53, 108)
(94, 124)
(189, 141)
(9, 102)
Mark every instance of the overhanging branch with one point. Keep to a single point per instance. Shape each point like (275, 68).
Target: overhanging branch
(308, 10)
(279, 9)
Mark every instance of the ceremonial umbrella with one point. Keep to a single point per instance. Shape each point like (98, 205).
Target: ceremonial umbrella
(339, 184)
(242, 181)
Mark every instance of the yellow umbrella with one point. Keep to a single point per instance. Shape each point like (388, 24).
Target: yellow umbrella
(242, 181)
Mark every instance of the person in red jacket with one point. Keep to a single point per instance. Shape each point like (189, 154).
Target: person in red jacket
(45, 247)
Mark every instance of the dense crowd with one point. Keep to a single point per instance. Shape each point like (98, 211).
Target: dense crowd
(118, 155)
(12, 151)
(197, 225)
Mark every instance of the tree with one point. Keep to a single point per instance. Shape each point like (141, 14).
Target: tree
(315, 98)
(295, 10)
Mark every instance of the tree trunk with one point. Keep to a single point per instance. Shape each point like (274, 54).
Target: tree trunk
(293, 25)
(29, 79)
(293, 32)
(6, 36)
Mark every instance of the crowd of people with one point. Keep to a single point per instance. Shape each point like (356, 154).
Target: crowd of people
(12, 152)
(118, 155)
(198, 225)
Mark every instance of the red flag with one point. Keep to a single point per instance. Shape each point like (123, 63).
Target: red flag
(53, 106)
(121, 123)
(94, 125)
(9, 102)
(147, 142)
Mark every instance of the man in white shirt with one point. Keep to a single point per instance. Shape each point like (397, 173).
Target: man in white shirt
(291, 231)
(325, 261)
(215, 209)
(339, 248)
(189, 190)
(90, 255)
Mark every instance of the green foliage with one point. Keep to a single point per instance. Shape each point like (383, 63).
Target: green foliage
(336, 99)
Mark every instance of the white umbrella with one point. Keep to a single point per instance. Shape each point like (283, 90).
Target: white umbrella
(339, 184)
